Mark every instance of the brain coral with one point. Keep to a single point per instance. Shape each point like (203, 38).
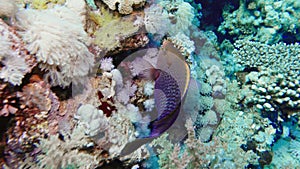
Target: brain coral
(124, 6)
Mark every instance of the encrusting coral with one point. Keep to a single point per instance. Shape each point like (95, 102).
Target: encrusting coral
(108, 37)
(40, 4)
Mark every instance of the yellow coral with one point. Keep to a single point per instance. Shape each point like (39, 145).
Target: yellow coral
(108, 37)
(103, 17)
(41, 4)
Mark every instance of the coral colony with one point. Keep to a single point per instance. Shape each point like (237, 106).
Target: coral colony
(149, 84)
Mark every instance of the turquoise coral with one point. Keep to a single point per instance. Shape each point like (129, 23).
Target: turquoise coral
(92, 4)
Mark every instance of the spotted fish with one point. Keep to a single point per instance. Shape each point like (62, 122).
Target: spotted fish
(171, 75)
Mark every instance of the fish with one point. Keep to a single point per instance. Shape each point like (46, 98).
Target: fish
(171, 75)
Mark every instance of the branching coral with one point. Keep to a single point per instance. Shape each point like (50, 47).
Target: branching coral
(32, 120)
(193, 154)
(183, 43)
(58, 43)
(57, 153)
(276, 86)
(280, 57)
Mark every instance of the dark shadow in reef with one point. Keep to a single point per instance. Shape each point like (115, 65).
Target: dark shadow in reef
(212, 15)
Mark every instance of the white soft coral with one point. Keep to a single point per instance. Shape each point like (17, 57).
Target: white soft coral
(14, 64)
(58, 42)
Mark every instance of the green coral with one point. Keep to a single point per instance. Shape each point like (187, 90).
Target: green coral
(110, 28)
(263, 21)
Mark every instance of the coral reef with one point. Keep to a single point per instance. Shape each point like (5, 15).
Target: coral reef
(264, 21)
(80, 84)
(58, 59)
(274, 88)
(40, 4)
(280, 57)
(108, 37)
(156, 20)
(181, 15)
(57, 153)
(14, 57)
(124, 7)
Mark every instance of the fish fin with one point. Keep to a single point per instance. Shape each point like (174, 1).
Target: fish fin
(160, 101)
(163, 123)
(134, 145)
(177, 132)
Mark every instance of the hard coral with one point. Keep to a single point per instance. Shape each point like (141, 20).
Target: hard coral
(40, 4)
(109, 36)
(92, 119)
(280, 56)
(57, 153)
(272, 92)
(181, 15)
(264, 21)
(276, 86)
(124, 6)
